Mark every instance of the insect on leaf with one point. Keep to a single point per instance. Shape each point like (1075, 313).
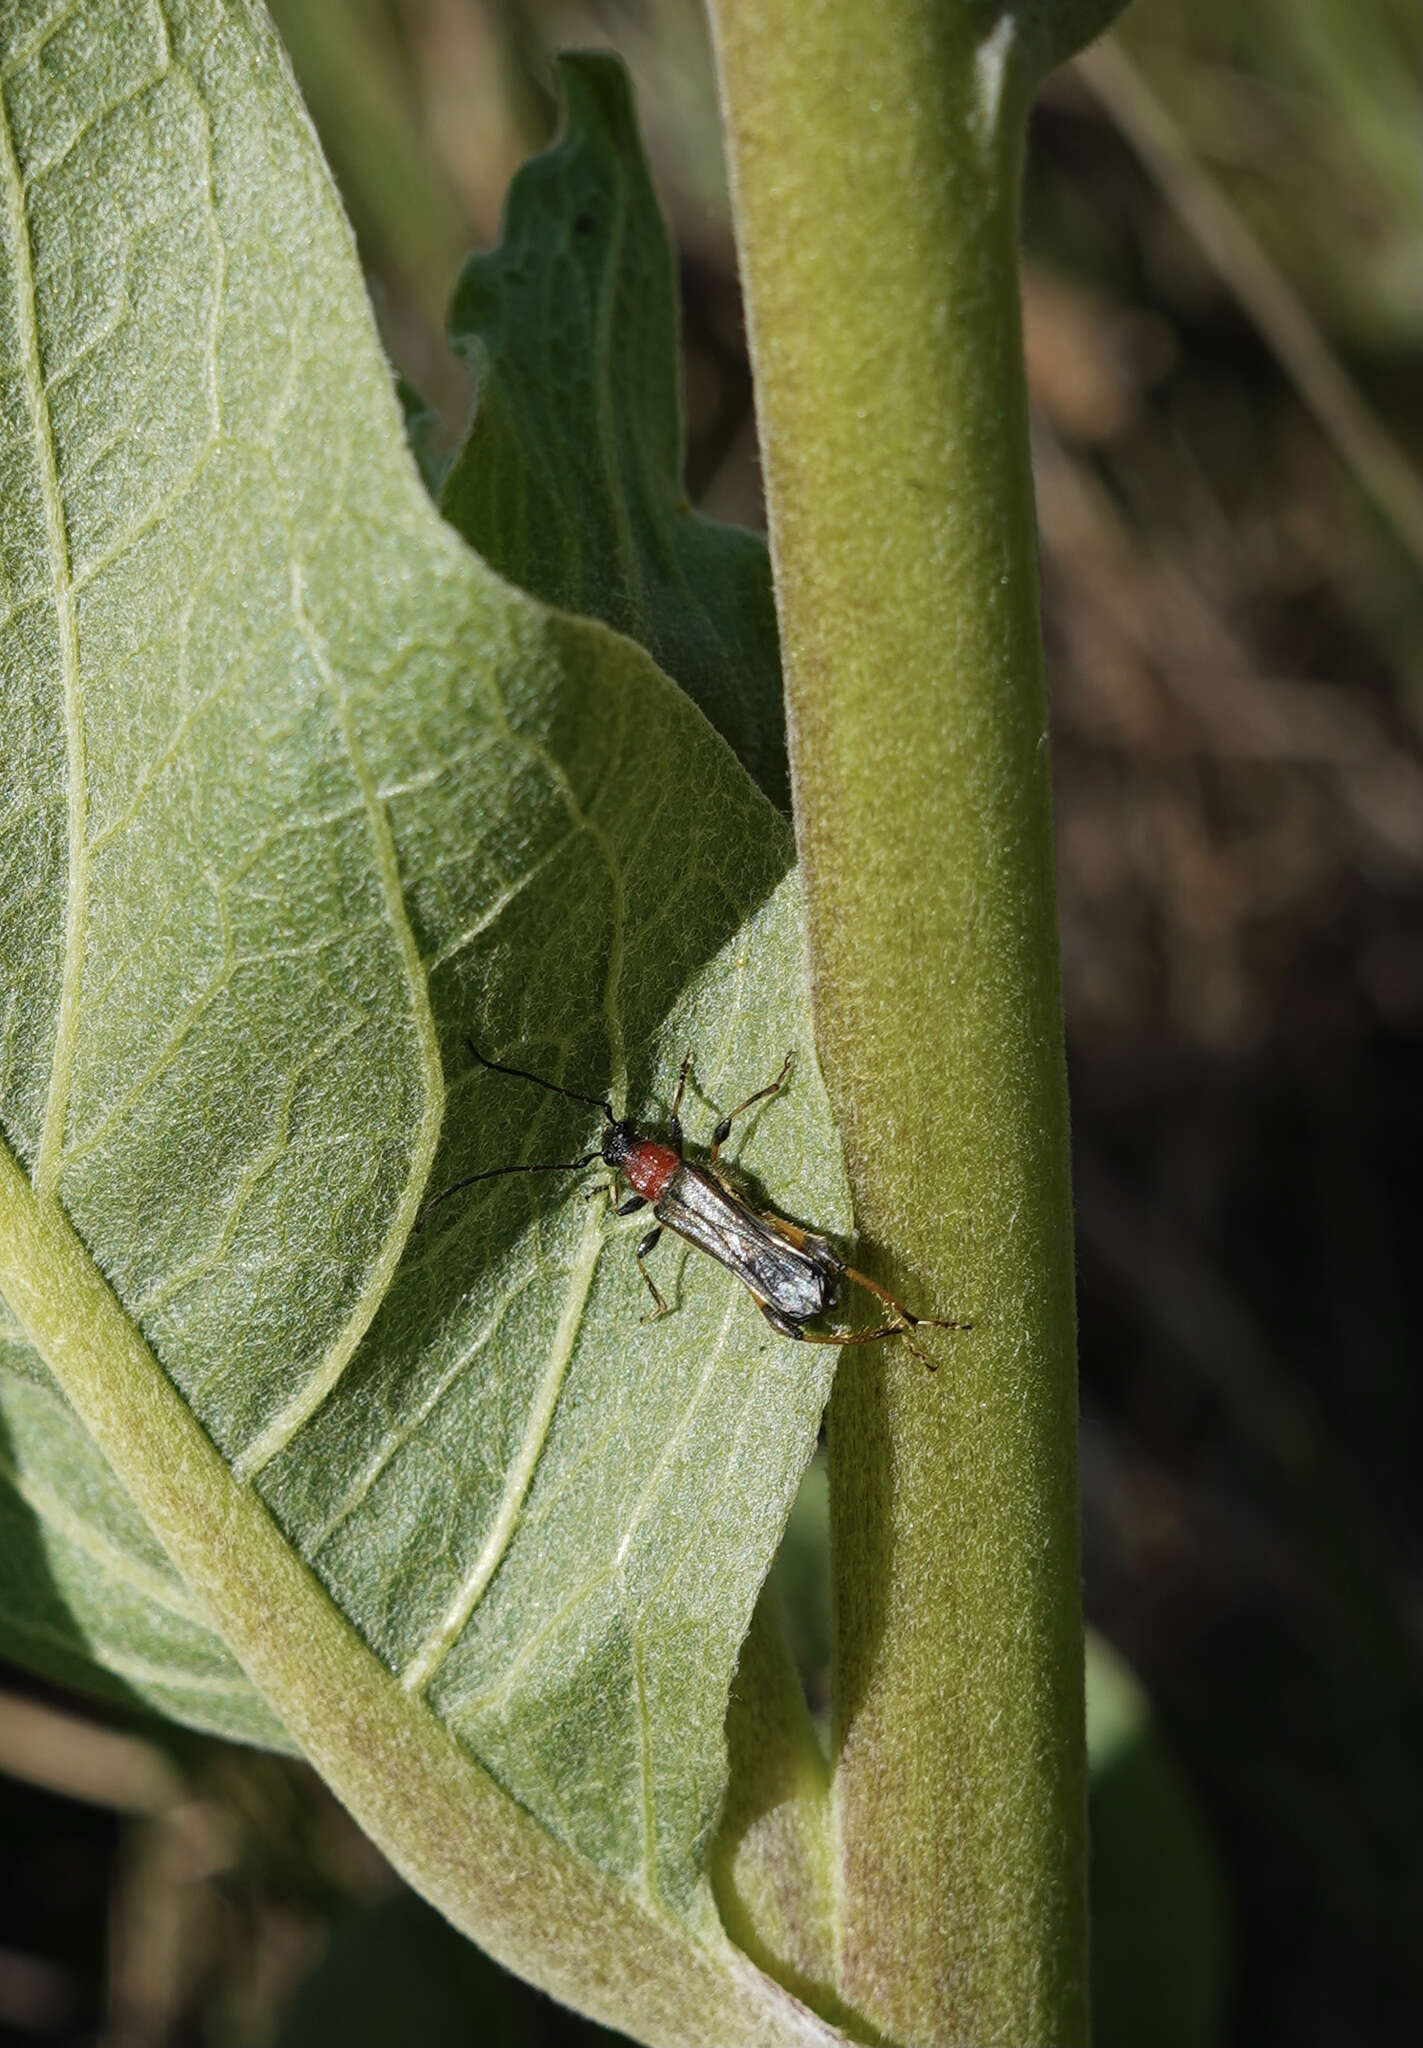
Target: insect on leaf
(298, 792)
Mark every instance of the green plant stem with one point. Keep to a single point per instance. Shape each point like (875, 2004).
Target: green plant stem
(443, 1822)
(875, 180)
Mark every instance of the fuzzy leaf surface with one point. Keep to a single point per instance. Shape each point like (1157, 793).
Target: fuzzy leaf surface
(297, 793)
(570, 481)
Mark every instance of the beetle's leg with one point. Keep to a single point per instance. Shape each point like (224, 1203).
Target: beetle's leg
(641, 1256)
(681, 1088)
(900, 1330)
(907, 1317)
(781, 1324)
(787, 1328)
(723, 1129)
(610, 1187)
(619, 1209)
(674, 1121)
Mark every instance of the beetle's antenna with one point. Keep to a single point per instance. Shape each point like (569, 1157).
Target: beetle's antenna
(557, 1088)
(494, 1173)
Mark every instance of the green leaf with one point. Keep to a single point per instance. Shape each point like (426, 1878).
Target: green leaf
(87, 1593)
(298, 794)
(1021, 39)
(421, 430)
(395, 1971)
(570, 482)
(1051, 31)
(1159, 1923)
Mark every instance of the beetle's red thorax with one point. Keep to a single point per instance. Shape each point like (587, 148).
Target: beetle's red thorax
(649, 1166)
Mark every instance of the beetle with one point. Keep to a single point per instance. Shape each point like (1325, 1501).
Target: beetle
(794, 1276)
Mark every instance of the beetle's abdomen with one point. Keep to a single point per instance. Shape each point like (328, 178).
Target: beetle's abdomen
(800, 1280)
(649, 1166)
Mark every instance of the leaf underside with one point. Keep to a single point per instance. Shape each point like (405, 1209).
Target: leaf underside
(298, 792)
(570, 481)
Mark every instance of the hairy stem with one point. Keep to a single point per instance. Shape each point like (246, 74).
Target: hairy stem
(875, 181)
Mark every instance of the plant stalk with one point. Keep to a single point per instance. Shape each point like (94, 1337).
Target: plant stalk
(875, 168)
(533, 1904)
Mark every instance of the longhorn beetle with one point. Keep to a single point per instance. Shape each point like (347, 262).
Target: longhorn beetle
(793, 1276)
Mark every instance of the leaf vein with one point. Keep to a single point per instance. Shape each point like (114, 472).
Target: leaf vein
(648, 1800)
(677, 1437)
(253, 1173)
(139, 1670)
(288, 1421)
(500, 904)
(170, 1594)
(31, 371)
(433, 1652)
(401, 1434)
(32, 45)
(496, 1692)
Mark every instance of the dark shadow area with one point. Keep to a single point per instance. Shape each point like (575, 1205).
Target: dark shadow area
(1250, 1441)
(395, 1971)
(1159, 1915)
(58, 1853)
(36, 1626)
(57, 1862)
(769, 1870)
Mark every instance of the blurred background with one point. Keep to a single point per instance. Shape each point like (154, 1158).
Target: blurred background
(1224, 326)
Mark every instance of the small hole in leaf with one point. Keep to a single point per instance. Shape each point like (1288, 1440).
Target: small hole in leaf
(585, 225)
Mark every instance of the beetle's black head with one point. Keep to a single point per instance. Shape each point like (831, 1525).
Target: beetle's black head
(618, 1141)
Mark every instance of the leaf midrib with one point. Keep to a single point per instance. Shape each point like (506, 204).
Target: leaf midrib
(460, 1839)
(48, 1157)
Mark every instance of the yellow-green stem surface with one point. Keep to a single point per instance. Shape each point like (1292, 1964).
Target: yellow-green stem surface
(875, 186)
